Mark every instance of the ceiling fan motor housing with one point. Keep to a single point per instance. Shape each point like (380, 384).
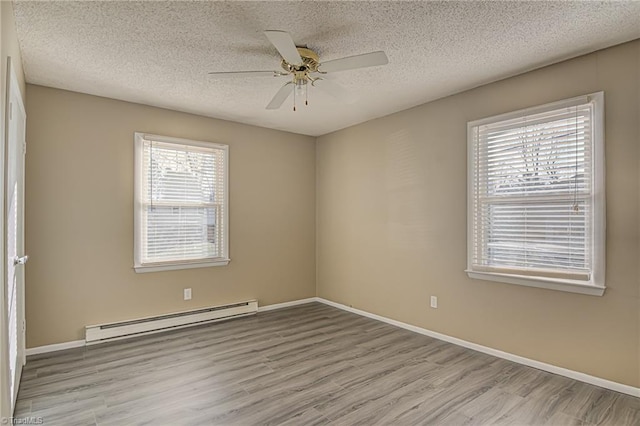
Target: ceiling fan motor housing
(310, 62)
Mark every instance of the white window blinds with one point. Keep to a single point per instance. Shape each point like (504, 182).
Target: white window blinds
(181, 196)
(532, 193)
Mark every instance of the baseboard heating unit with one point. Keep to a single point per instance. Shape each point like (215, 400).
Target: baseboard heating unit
(124, 329)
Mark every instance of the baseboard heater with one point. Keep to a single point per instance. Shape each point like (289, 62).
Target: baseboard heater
(125, 329)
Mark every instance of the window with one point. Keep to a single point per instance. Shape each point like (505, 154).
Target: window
(181, 208)
(536, 196)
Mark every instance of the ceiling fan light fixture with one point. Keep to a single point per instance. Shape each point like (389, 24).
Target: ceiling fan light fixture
(300, 89)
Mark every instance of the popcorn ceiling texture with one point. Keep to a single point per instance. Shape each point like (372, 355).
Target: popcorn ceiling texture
(159, 53)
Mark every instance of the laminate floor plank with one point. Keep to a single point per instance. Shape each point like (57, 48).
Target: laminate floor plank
(386, 409)
(305, 365)
(310, 370)
(192, 400)
(440, 405)
(311, 417)
(281, 405)
(372, 390)
(491, 406)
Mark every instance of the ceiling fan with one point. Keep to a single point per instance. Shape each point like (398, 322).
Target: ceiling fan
(304, 68)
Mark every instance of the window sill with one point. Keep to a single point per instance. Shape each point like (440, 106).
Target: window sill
(571, 286)
(176, 266)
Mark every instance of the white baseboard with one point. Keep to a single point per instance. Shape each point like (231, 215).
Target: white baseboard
(287, 304)
(55, 347)
(576, 375)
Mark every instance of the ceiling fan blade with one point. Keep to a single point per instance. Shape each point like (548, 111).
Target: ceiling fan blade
(352, 62)
(285, 45)
(281, 96)
(334, 89)
(236, 74)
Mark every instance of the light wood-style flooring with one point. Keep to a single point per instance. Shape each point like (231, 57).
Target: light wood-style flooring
(306, 365)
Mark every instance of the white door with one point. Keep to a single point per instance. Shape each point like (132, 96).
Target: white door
(14, 191)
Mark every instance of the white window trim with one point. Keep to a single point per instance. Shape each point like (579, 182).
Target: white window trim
(596, 284)
(223, 260)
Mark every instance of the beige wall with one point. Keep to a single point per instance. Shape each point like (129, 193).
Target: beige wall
(8, 48)
(79, 215)
(391, 223)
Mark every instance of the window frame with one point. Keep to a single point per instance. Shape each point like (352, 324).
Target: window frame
(596, 284)
(139, 266)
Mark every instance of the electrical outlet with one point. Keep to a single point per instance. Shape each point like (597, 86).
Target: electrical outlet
(434, 302)
(187, 294)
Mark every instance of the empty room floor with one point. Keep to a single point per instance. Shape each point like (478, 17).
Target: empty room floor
(305, 365)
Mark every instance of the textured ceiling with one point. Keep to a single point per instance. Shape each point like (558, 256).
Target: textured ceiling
(159, 53)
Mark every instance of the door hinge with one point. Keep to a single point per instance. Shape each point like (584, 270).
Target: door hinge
(24, 326)
(10, 110)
